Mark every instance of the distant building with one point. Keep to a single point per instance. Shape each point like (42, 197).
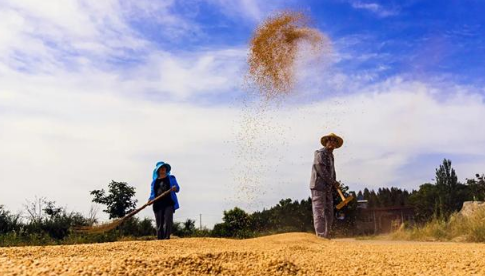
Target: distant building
(362, 203)
(381, 220)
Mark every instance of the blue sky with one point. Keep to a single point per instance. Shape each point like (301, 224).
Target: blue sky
(422, 39)
(92, 91)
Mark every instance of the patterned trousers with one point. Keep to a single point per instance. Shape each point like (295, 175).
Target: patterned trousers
(322, 205)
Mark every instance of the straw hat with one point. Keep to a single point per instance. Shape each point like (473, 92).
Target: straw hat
(325, 138)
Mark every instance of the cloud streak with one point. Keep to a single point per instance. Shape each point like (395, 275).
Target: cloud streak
(375, 8)
(252, 11)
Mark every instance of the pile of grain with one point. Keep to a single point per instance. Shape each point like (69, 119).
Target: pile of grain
(285, 254)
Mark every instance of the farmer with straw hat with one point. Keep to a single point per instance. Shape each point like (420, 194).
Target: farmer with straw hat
(322, 182)
(165, 206)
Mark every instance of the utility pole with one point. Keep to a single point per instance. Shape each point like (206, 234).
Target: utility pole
(200, 222)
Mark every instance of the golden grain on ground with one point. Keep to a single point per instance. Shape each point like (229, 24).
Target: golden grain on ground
(274, 50)
(285, 254)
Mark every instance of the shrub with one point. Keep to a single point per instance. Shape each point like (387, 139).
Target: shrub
(8, 222)
(137, 228)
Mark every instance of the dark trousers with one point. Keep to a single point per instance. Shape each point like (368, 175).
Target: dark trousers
(164, 220)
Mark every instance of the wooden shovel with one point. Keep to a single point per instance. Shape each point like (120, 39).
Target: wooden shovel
(111, 225)
(345, 201)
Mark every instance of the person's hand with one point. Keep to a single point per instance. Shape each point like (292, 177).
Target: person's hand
(337, 185)
(174, 188)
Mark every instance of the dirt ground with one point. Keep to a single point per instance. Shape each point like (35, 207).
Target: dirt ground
(285, 254)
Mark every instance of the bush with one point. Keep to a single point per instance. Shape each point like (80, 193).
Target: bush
(8, 222)
(202, 233)
(56, 224)
(46, 225)
(185, 229)
(236, 224)
(137, 228)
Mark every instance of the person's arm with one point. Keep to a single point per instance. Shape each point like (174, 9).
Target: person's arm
(336, 183)
(320, 165)
(175, 185)
(152, 192)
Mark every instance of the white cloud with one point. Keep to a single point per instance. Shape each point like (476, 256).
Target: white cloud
(375, 8)
(170, 24)
(250, 10)
(73, 34)
(63, 34)
(86, 36)
(184, 75)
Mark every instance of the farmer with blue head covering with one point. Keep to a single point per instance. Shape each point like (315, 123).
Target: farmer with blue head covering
(165, 206)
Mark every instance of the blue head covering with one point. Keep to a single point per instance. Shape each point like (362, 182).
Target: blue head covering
(158, 166)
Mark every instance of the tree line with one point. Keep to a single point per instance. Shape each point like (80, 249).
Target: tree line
(436, 200)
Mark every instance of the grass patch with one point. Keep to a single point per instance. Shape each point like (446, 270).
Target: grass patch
(42, 239)
(458, 228)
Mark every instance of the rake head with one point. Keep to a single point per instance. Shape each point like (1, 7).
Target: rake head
(344, 202)
(98, 228)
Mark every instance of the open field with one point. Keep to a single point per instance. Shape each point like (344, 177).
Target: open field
(285, 254)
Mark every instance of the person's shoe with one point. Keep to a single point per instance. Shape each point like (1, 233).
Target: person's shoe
(328, 236)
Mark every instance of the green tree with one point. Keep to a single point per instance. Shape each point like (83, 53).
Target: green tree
(189, 225)
(185, 229)
(236, 223)
(52, 210)
(119, 200)
(373, 200)
(406, 196)
(366, 194)
(8, 221)
(424, 202)
(476, 188)
(384, 195)
(451, 194)
(237, 219)
(286, 216)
